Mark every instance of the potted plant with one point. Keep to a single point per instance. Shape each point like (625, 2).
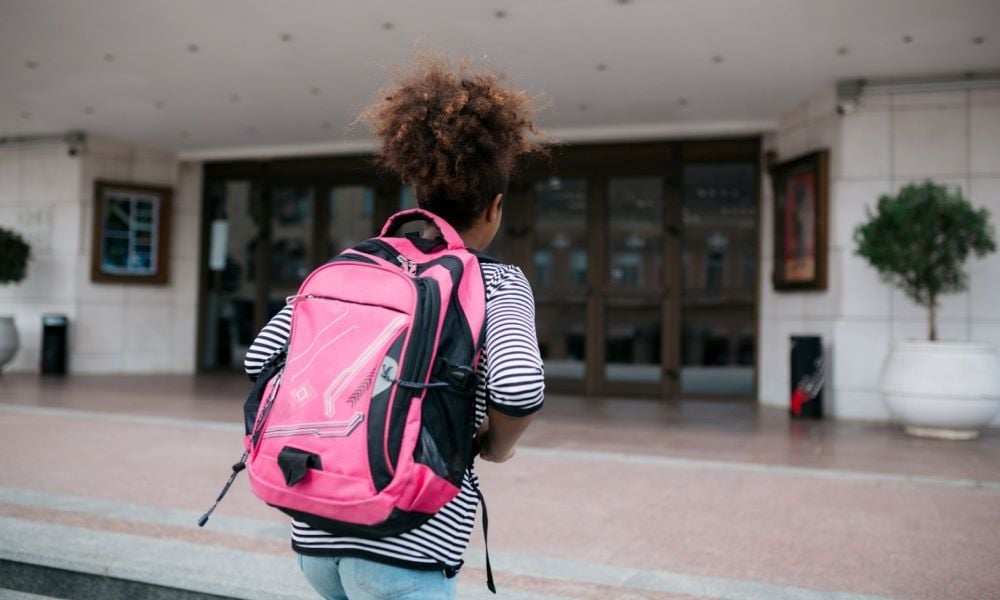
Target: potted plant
(14, 253)
(919, 241)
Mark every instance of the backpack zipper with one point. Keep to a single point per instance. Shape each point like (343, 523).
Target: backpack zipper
(418, 363)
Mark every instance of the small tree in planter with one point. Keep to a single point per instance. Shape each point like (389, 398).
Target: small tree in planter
(14, 253)
(919, 241)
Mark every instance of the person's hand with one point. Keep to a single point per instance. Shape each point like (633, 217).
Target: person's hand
(483, 443)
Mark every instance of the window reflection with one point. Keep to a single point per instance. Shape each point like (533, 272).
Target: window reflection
(231, 290)
(720, 269)
(559, 275)
(560, 253)
(632, 344)
(351, 211)
(635, 232)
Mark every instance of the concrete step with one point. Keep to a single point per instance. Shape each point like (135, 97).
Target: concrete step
(15, 595)
(32, 580)
(78, 563)
(57, 560)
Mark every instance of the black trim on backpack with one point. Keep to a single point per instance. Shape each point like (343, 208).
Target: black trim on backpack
(397, 523)
(251, 406)
(377, 247)
(352, 258)
(418, 354)
(427, 245)
(378, 414)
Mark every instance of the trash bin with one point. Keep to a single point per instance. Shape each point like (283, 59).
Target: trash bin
(808, 377)
(55, 344)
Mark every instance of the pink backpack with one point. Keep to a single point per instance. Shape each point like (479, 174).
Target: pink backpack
(363, 424)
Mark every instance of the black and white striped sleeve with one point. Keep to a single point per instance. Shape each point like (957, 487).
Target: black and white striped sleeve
(270, 339)
(515, 379)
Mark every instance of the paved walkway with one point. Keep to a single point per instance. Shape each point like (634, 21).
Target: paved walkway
(613, 498)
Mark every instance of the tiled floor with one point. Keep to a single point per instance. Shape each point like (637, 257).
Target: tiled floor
(609, 498)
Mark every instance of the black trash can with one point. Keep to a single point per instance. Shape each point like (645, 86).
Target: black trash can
(55, 344)
(808, 377)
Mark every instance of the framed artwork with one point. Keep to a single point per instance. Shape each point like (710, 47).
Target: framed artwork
(131, 233)
(800, 222)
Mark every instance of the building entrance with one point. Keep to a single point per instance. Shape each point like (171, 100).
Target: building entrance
(643, 257)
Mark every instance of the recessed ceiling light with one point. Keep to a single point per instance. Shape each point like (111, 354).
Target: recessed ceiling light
(88, 110)
(25, 114)
(387, 26)
(500, 14)
(979, 40)
(584, 107)
(193, 48)
(682, 102)
(623, 1)
(109, 57)
(907, 39)
(602, 67)
(30, 64)
(234, 98)
(315, 91)
(718, 58)
(842, 51)
(286, 37)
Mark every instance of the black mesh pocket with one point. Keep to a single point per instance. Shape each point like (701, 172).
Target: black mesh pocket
(446, 434)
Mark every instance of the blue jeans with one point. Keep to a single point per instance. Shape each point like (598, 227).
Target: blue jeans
(346, 578)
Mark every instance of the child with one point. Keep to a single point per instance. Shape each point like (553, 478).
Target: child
(454, 135)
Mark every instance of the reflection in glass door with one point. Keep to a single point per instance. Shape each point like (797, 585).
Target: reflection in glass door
(231, 287)
(559, 276)
(351, 217)
(634, 288)
(720, 273)
(289, 256)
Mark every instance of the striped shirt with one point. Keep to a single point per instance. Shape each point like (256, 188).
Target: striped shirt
(510, 380)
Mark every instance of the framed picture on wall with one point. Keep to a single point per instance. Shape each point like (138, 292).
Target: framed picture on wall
(131, 233)
(800, 222)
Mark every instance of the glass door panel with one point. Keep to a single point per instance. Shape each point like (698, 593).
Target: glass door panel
(562, 336)
(720, 272)
(234, 231)
(634, 291)
(289, 253)
(632, 343)
(407, 199)
(635, 233)
(351, 216)
(559, 275)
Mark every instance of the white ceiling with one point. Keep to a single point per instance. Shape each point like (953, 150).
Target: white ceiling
(295, 73)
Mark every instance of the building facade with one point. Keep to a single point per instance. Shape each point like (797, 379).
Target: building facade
(651, 261)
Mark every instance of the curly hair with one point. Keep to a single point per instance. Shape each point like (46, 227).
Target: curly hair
(453, 134)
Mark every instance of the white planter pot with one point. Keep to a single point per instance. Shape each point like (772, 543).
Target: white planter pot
(947, 390)
(9, 342)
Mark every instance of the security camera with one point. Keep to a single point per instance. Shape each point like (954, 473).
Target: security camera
(846, 107)
(75, 141)
(848, 92)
